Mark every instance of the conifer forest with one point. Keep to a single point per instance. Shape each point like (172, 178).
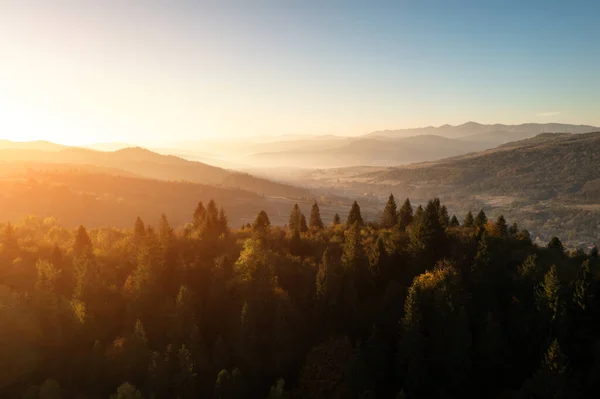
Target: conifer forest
(419, 304)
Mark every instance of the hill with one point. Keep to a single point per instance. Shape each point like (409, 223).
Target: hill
(372, 151)
(145, 163)
(99, 197)
(550, 182)
(39, 145)
(495, 134)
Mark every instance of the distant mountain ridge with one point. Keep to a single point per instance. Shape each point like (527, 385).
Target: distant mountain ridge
(145, 163)
(469, 129)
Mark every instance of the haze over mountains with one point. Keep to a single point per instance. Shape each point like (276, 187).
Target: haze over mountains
(536, 178)
(379, 148)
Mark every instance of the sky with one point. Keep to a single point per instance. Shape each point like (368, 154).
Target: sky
(80, 72)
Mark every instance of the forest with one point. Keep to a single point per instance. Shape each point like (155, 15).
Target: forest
(418, 304)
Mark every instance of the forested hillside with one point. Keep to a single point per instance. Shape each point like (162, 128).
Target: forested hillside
(418, 304)
(550, 183)
(149, 164)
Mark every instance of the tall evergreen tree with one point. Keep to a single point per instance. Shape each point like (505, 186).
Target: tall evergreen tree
(295, 218)
(261, 223)
(303, 225)
(405, 215)
(454, 222)
(443, 215)
(469, 221)
(82, 244)
(199, 214)
(336, 219)
(315, 218)
(427, 232)
(555, 244)
(139, 229)
(354, 215)
(481, 219)
(389, 218)
(501, 226)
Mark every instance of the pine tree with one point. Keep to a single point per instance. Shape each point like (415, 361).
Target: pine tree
(82, 244)
(354, 215)
(454, 221)
(502, 226)
(549, 291)
(336, 220)
(303, 225)
(405, 215)
(295, 218)
(443, 215)
(481, 219)
(582, 286)
(223, 221)
(261, 223)
(427, 232)
(513, 230)
(199, 214)
(555, 244)
(418, 214)
(139, 229)
(469, 221)
(389, 218)
(315, 218)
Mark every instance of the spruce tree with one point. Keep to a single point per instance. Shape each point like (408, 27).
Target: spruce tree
(469, 221)
(295, 216)
(303, 225)
(418, 214)
(481, 219)
(140, 229)
(502, 226)
(336, 219)
(405, 215)
(199, 213)
(389, 218)
(82, 244)
(454, 221)
(261, 223)
(354, 215)
(555, 244)
(315, 218)
(443, 215)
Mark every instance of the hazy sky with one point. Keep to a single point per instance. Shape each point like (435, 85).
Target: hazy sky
(145, 71)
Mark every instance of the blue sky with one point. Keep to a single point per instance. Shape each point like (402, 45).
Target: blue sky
(149, 70)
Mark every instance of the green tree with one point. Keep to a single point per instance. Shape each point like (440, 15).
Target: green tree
(427, 232)
(405, 215)
(336, 219)
(261, 224)
(469, 221)
(454, 222)
(354, 215)
(139, 229)
(555, 243)
(443, 215)
(501, 226)
(315, 218)
(295, 218)
(389, 218)
(198, 216)
(83, 244)
(303, 225)
(548, 293)
(481, 219)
